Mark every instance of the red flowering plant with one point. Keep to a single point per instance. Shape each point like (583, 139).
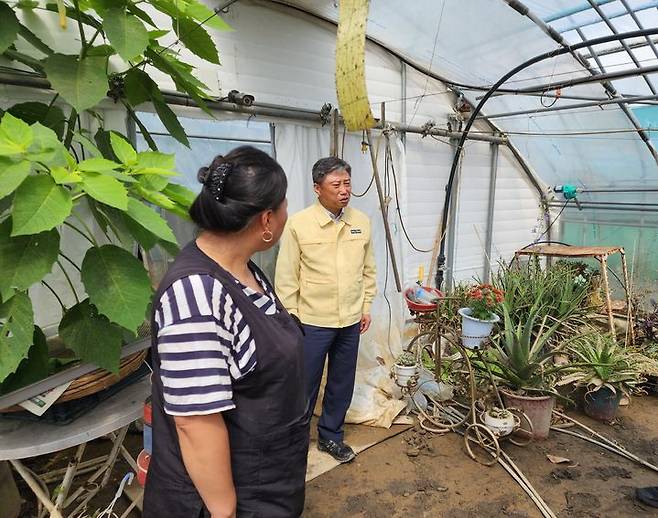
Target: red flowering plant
(483, 300)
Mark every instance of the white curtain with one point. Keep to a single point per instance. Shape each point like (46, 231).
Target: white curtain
(297, 148)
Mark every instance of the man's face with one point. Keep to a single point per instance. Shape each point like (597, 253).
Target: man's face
(334, 190)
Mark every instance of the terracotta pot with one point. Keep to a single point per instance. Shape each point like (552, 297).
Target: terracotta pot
(539, 410)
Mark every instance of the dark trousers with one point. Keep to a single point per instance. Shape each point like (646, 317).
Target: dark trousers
(341, 345)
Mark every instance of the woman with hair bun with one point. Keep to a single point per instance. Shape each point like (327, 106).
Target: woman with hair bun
(230, 436)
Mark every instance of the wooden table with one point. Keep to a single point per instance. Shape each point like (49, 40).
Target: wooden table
(601, 254)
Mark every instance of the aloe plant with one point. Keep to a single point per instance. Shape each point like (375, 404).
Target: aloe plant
(601, 362)
(520, 357)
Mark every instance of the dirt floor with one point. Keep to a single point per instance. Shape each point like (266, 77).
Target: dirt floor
(417, 474)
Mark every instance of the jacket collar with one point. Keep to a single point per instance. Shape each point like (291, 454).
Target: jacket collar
(324, 219)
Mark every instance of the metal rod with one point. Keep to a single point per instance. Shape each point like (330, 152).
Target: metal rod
(382, 206)
(614, 30)
(70, 474)
(630, 332)
(36, 489)
(620, 48)
(575, 106)
(639, 23)
(469, 124)
(491, 213)
(574, 10)
(620, 74)
(585, 205)
(616, 14)
(620, 203)
(639, 189)
(333, 147)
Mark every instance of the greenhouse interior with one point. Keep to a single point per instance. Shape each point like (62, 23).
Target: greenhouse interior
(278, 258)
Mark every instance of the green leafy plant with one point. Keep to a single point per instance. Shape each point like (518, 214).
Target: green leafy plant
(406, 359)
(520, 358)
(123, 29)
(45, 189)
(483, 300)
(601, 362)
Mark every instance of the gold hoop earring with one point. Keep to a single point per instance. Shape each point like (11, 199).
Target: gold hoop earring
(269, 238)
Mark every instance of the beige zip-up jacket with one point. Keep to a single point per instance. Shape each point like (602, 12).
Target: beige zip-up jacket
(325, 272)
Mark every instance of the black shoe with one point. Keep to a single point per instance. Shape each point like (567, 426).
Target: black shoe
(648, 495)
(338, 450)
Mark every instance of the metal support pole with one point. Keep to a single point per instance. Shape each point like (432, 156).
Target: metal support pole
(488, 251)
(453, 224)
(604, 270)
(382, 206)
(70, 474)
(403, 102)
(333, 147)
(630, 331)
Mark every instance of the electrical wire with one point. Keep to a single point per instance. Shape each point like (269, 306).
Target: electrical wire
(389, 161)
(552, 222)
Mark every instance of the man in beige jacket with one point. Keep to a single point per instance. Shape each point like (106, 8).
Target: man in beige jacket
(325, 276)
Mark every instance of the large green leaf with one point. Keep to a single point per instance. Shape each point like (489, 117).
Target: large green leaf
(180, 194)
(150, 220)
(8, 28)
(170, 121)
(117, 284)
(153, 182)
(154, 162)
(146, 239)
(126, 32)
(92, 336)
(206, 16)
(122, 149)
(61, 175)
(196, 38)
(83, 84)
(16, 332)
(12, 175)
(105, 189)
(47, 147)
(140, 14)
(157, 198)
(33, 368)
(49, 116)
(39, 204)
(15, 135)
(97, 165)
(25, 260)
(138, 87)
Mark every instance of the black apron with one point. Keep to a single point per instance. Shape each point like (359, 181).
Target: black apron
(268, 430)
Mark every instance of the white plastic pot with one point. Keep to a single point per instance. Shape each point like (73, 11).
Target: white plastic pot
(500, 426)
(474, 330)
(404, 373)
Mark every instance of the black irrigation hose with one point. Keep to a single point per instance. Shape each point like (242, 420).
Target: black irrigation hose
(460, 146)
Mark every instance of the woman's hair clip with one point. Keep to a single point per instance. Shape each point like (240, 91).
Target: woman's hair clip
(216, 179)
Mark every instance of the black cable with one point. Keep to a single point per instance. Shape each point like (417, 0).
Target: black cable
(554, 220)
(441, 259)
(541, 100)
(397, 204)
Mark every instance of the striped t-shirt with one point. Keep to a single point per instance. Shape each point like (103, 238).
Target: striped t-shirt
(204, 343)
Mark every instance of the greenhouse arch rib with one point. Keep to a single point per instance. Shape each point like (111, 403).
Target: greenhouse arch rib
(469, 124)
(523, 10)
(455, 86)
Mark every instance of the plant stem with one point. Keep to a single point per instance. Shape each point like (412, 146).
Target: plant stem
(80, 232)
(93, 38)
(142, 128)
(70, 261)
(68, 279)
(55, 295)
(70, 125)
(83, 40)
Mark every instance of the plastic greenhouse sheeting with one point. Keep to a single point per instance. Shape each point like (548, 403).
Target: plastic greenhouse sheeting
(457, 40)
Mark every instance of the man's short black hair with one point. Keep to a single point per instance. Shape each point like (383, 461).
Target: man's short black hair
(328, 165)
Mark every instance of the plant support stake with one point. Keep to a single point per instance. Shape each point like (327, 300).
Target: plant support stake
(382, 206)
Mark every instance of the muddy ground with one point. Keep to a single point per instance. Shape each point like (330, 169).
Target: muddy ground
(397, 478)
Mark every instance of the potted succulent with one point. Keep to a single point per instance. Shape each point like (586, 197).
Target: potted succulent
(522, 362)
(605, 370)
(500, 421)
(479, 318)
(405, 368)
